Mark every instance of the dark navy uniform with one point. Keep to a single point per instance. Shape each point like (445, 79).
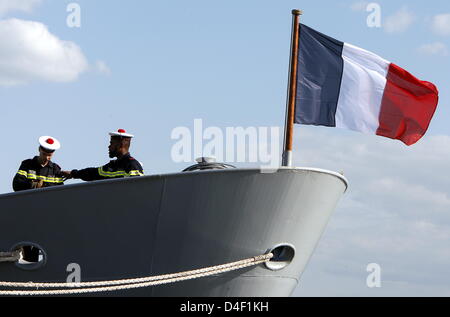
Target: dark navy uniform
(126, 166)
(32, 171)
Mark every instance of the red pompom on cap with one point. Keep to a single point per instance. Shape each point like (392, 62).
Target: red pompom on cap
(122, 133)
(49, 143)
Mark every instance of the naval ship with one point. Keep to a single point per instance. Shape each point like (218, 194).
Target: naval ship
(206, 215)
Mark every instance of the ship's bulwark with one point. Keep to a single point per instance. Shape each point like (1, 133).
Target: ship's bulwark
(163, 224)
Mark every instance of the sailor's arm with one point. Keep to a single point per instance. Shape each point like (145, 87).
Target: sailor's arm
(20, 181)
(91, 173)
(87, 174)
(59, 177)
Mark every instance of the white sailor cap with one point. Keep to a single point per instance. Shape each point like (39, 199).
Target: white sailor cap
(122, 133)
(49, 143)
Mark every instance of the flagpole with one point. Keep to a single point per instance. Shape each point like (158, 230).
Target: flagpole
(292, 90)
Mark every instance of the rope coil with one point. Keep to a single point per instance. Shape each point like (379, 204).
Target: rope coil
(123, 284)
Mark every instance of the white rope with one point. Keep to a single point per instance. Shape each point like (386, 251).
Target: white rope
(115, 285)
(10, 256)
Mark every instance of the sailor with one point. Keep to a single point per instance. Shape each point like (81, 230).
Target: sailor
(124, 166)
(40, 171)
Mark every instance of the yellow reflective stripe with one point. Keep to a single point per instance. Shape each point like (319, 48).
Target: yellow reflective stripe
(23, 173)
(101, 172)
(40, 177)
(135, 173)
(112, 174)
(45, 179)
(52, 179)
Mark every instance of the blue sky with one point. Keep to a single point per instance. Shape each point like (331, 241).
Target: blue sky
(151, 66)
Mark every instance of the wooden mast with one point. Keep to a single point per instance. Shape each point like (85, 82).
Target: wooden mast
(292, 90)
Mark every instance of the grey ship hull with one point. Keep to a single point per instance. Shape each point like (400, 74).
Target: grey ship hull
(163, 224)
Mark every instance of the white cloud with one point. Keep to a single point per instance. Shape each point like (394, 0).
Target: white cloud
(399, 22)
(29, 52)
(7, 6)
(440, 24)
(437, 48)
(416, 194)
(396, 212)
(102, 68)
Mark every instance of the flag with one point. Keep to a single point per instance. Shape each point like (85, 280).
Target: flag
(341, 85)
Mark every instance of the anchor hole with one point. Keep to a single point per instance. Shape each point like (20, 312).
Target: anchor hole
(282, 257)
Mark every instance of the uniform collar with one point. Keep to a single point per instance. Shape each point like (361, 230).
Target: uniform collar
(35, 160)
(125, 157)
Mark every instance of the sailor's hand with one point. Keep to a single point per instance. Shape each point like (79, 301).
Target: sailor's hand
(37, 184)
(66, 174)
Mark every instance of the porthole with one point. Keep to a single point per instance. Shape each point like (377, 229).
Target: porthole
(32, 255)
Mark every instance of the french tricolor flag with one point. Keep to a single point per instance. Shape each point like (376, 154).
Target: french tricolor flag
(341, 85)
